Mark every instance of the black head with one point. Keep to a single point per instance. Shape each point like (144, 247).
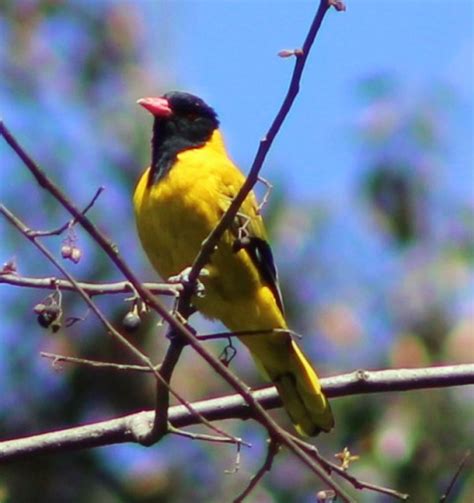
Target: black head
(182, 121)
(190, 107)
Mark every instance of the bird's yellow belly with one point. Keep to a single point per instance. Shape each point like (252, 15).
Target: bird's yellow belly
(173, 219)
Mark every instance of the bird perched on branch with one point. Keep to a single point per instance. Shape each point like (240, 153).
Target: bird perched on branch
(178, 201)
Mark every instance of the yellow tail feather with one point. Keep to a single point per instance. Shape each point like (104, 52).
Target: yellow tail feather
(300, 391)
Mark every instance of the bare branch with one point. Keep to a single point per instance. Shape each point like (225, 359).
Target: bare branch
(302, 54)
(207, 438)
(342, 471)
(53, 283)
(162, 401)
(60, 230)
(16, 222)
(230, 407)
(107, 246)
(458, 471)
(375, 381)
(272, 451)
(96, 364)
(111, 250)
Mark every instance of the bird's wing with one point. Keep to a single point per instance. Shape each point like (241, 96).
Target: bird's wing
(249, 233)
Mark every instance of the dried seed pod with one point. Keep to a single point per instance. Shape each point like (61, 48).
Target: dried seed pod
(47, 314)
(55, 326)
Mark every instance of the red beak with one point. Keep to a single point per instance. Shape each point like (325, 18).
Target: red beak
(159, 107)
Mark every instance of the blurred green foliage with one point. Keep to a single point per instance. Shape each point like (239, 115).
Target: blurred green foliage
(385, 284)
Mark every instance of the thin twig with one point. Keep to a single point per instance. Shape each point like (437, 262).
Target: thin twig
(266, 196)
(107, 246)
(210, 243)
(458, 471)
(96, 364)
(272, 451)
(16, 222)
(343, 473)
(240, 333)
(60, 230)
(207, 438)
(92, 289)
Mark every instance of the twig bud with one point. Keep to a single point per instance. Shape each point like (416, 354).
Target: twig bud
(288, 53)
(337, 4)
(9, 267)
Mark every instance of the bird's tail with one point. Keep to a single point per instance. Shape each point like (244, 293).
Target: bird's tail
(299, 390)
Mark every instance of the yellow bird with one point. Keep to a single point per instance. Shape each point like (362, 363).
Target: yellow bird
(178, 201)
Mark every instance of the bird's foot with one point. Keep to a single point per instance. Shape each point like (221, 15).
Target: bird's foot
(183, 279)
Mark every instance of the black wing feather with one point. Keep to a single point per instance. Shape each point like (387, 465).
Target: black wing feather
(261, 254)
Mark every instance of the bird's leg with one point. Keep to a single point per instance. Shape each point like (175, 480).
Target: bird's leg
(266, 196)
(175, 312)
(242, 240)
(183, 279)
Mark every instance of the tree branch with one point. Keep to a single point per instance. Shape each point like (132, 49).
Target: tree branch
(272, 451)
(53, 283)
(342, 471)
(458, 471)
(71, 223)
(301, 55)
(121, 429)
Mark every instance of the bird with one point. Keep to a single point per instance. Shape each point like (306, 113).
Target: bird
(178, 201)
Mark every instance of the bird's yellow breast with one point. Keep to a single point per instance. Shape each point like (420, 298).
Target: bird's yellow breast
(175, 215)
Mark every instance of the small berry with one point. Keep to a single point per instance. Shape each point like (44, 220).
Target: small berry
(66, 251)
(131, 321)
(76, 254)
(71, 252)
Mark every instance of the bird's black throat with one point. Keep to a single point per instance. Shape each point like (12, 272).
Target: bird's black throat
(164, 149)
(172, 136)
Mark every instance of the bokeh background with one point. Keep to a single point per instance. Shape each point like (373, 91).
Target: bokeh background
(371, 221)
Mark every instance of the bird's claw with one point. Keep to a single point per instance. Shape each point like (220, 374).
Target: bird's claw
(183, 279)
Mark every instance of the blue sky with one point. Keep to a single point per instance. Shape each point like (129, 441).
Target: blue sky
(226, 52)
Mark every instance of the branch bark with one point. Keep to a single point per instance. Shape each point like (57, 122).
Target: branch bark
(125, 429)
(53, 283)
